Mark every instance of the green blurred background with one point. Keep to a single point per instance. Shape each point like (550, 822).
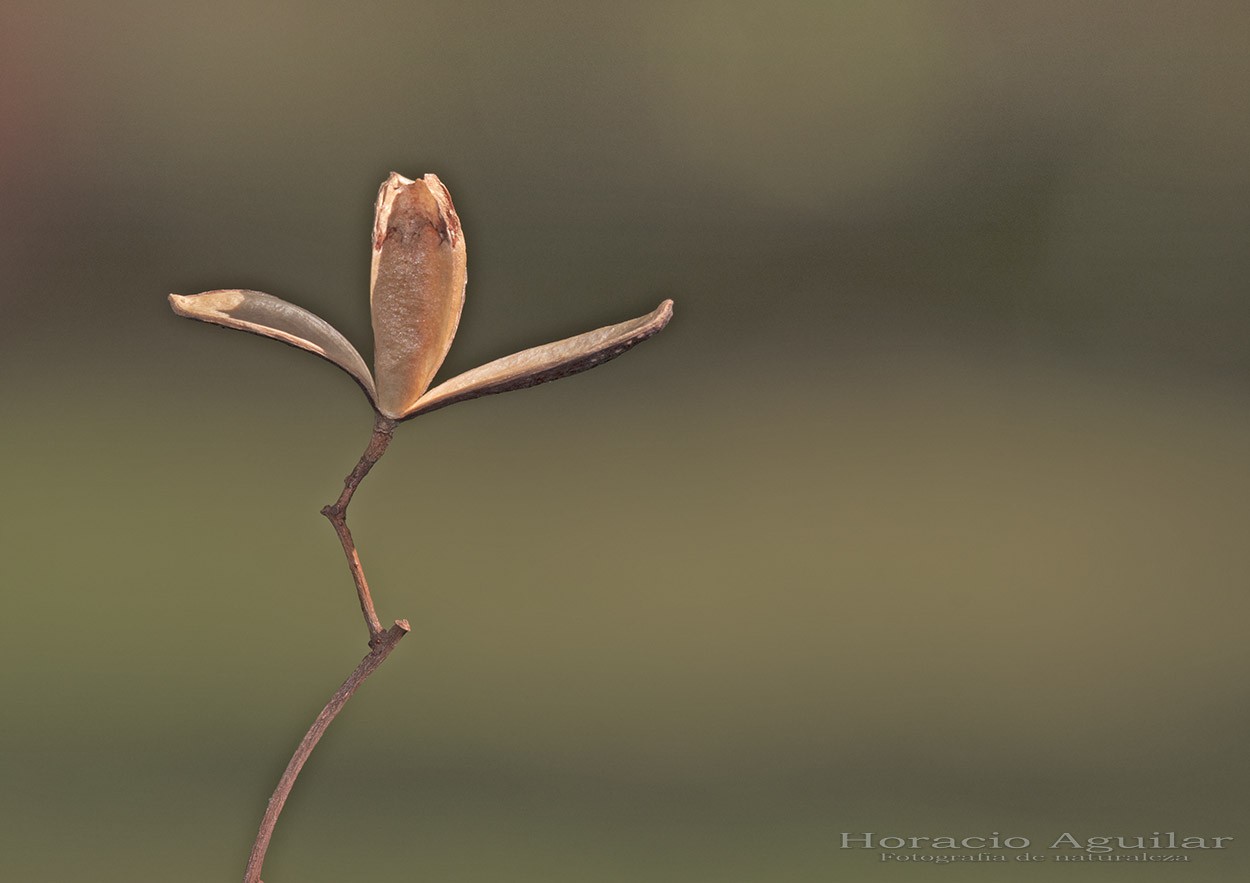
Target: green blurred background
(927, 514)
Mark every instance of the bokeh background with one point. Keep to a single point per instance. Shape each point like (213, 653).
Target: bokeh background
(927, 514)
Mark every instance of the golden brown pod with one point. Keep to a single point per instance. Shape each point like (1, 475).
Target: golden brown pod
(416, 291)
(416, 295)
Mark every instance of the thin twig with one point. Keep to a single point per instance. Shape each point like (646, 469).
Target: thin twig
(382, 648)
(337, 513)
(381, 643)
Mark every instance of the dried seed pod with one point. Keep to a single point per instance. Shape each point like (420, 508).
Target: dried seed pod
(548, 362)
(271, 316)
(417, 287)
(416, 294)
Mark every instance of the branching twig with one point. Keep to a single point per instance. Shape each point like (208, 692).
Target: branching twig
(337, 513)
(381, 643)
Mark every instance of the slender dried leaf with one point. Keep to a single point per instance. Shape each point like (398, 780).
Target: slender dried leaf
(417, 287)
(271, 316)
(542, 363)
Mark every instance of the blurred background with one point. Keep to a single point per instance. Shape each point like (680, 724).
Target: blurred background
(927, 514)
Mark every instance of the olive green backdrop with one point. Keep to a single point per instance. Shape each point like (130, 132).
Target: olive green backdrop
(927, 514)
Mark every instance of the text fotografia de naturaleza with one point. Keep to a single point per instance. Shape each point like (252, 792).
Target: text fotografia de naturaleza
(1165, 846)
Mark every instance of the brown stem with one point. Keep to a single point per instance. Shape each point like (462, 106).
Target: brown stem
(381, 643)
(337, 513)
(382, 648)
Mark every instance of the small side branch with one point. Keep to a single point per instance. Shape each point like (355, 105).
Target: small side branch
(382, 648)
(337, 513)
